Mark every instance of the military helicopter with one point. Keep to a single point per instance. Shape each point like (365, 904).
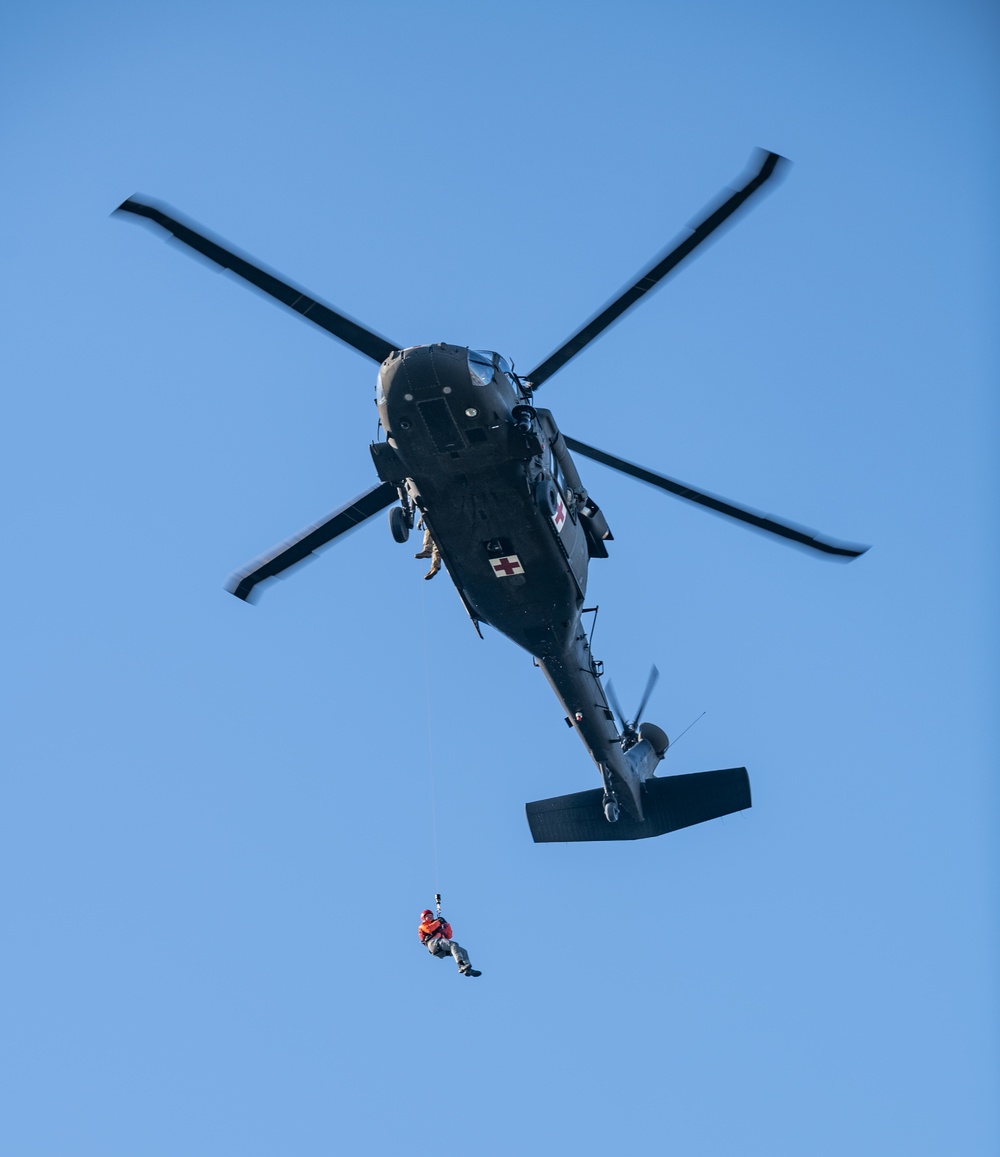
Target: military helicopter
(492, 478)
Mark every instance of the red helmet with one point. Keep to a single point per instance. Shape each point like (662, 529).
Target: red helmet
(427, 914)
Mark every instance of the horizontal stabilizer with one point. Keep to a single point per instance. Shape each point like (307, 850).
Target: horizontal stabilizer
(676, 801)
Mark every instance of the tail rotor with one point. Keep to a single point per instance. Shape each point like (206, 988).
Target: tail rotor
(630, 729)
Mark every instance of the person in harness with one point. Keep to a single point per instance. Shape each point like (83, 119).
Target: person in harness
(435, 935)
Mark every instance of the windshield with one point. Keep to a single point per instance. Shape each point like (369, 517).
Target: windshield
(483, 365)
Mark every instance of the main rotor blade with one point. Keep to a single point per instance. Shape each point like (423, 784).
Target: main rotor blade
(655, 273)
(353, 333)
(302, 545)
(831, 546)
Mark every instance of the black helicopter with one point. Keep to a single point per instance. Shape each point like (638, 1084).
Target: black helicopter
(492, 478)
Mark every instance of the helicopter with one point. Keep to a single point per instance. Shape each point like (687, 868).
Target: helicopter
(492, 479)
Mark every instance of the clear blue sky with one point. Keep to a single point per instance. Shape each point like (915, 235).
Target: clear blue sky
(216, 819)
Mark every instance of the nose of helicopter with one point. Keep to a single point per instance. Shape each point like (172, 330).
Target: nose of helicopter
(438, 398)
(423, 372)
(434, 369)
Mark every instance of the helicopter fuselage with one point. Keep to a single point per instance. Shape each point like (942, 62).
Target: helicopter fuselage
(494, 484)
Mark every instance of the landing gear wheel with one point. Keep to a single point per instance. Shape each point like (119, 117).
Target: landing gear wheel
(546, 497)
(399, 524)
(611, 812)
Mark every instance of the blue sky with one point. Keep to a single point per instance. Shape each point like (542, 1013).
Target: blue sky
(217, 818)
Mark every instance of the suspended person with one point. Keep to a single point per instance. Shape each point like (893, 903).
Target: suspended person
(429, 550)
(435, 935)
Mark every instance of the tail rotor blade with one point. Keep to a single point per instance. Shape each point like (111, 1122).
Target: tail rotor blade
(617, 706)
(654, 674)
(628, 726)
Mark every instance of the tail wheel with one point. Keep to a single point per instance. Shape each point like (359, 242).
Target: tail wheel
(611, 809)
(399, 524)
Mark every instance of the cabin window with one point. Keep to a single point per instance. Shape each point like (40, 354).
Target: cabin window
(556, 471)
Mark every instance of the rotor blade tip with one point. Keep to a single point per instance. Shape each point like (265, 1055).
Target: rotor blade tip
(771, 165)
(240, 588)
(858, 552)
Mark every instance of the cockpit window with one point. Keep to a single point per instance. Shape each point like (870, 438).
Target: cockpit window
(481, 367)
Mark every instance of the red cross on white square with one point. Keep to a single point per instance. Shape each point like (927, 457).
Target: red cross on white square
(507, 565)
(559, 518)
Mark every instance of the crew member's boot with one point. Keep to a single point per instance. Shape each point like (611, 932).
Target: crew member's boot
(428, 548)
(435, 559)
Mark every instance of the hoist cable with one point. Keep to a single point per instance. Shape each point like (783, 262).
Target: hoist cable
(430, 744)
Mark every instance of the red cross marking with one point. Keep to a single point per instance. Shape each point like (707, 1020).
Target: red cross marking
(506, 566)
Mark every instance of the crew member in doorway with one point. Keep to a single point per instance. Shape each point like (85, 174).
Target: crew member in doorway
(435, 935)
(429, 550)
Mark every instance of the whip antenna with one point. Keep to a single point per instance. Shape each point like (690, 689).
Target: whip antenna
(686, 730)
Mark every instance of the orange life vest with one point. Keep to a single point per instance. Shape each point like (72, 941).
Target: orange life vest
(431, 928)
